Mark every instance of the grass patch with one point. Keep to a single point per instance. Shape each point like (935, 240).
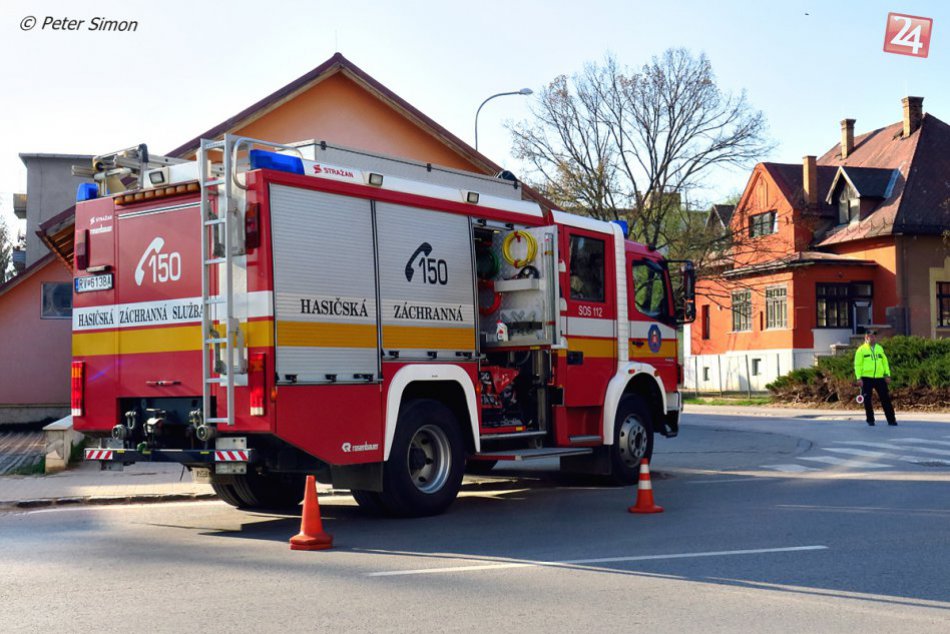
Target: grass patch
(741, 402)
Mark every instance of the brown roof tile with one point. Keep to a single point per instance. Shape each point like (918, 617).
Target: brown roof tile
(919, 199)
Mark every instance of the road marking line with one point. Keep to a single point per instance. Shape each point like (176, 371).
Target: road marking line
(603, 560)
(890, 456)
(873, 454)
(939, 452)
(862, 509)
(789, 468)
(923, 440)
(842, 462)
(721, 480)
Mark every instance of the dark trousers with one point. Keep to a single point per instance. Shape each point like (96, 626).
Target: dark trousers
(881, 386)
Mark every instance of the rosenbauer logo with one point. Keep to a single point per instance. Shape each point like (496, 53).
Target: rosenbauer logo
(366, 446)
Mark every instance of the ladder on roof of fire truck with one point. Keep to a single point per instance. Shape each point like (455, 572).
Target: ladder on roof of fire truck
(221, 241)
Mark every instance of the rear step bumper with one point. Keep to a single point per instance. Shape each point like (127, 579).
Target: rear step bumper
(182, 456)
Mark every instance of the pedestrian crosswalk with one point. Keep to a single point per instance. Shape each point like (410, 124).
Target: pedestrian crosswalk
(861, 455)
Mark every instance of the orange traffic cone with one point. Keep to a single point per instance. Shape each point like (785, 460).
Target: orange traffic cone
(645, 503)
(311, 535)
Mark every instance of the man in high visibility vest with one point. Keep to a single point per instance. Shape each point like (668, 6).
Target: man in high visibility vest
(874, 373)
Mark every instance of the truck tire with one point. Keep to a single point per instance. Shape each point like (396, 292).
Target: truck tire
(633, 439)
(369, 501)
(228, 495)
(274, 491)
(424, 472)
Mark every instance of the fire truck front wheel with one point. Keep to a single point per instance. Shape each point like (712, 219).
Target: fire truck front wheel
(424, 472)
(633, 439)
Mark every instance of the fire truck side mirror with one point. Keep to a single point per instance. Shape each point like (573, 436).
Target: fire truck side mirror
(685, 292)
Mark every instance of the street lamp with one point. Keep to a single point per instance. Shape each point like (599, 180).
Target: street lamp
(523, 91)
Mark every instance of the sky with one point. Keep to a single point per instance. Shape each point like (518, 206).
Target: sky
(190, 65)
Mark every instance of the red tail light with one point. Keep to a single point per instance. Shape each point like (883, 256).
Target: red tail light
(257, 368)
(81, 250)
(77, 388)
(252, 226)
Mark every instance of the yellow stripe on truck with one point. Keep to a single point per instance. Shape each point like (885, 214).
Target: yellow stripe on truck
(137, 341)
(667, 349)
(258, 334)
(298, 334)
(425, 338)
(596, 348)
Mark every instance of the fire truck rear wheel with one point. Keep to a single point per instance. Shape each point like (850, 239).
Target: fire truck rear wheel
(369, 501)
(633, 439)
(228, 495)
(424, 472)
(261, 491)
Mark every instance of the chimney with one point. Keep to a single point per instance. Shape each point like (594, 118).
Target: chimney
(810, 181)
(847, 137)
(913, 114)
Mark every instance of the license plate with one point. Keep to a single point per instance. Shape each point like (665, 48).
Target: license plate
(93, 283)
(201, 475)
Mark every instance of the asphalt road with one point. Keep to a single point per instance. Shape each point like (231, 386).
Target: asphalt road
(769, 526)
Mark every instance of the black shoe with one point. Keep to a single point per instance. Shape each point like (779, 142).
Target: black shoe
(870, 423)
(892, 424)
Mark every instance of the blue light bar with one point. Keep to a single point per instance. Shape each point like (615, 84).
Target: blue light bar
(87, 191)
(261, 159)
(623, 226)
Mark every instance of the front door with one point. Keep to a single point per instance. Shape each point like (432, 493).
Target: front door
(591, 316)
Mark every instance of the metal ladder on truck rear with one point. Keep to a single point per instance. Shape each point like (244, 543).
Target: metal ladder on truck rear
(223, 345)
(222, 338)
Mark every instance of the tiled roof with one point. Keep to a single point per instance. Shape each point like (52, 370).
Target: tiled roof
(869, 182)
(723, 213)
(789, 177)
(918, 200)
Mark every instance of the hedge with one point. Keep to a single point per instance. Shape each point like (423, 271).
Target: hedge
(920, 376)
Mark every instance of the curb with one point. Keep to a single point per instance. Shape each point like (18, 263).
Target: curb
(92, 500)
(115, 500)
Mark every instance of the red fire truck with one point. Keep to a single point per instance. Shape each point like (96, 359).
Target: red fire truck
(269, 311)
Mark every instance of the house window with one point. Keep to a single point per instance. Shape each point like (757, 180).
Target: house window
(705, 321)
(943, 304)
(763, 224)
(849, 205)
(741, 311)
(705, 373)
(756, 367)
(57, 300)
(587, 269)
(776, 307)
(835, 304)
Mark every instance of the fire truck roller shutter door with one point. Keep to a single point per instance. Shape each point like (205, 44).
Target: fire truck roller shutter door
(324, 286)
(427, 285)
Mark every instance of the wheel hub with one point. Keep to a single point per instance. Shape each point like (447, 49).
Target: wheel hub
(429, 459)
(633, 441)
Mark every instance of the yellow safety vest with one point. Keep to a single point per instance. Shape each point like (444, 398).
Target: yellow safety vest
(871, 362)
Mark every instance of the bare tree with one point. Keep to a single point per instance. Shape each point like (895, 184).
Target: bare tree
(616, 144)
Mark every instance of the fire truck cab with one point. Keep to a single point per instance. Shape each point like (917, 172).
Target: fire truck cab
(270, 311)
